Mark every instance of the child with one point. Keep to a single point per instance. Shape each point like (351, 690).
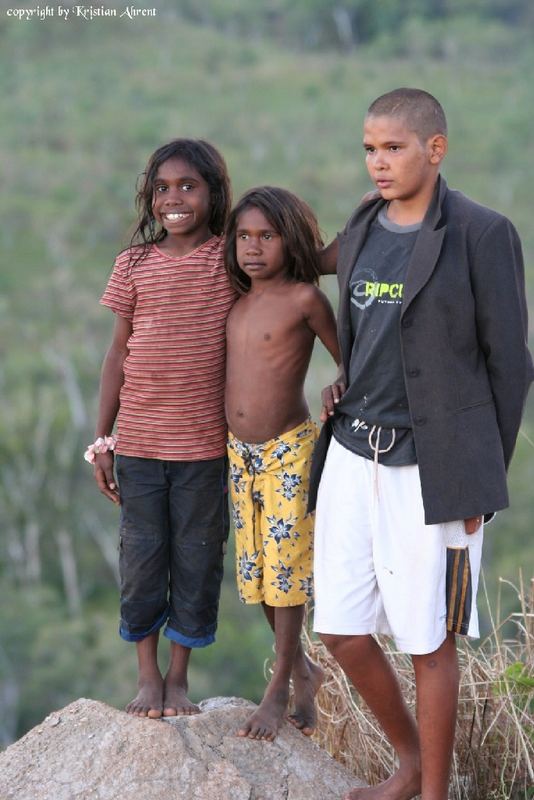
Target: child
(432, 328)
(164, 377)
(272, 259)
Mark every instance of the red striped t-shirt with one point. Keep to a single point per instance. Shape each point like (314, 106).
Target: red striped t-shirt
(172, 399)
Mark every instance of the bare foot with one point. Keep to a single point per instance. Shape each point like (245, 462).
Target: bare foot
(403, 785)
(306, 683)
(265, 722)
(149, 699)
(175, 701)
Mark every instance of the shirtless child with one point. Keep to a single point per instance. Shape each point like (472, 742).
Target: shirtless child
(271, 257)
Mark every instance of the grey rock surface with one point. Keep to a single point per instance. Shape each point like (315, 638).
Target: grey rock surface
(89, 751)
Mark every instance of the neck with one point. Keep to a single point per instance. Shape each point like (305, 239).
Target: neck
(182, 245)
(404, 214)
(412, 210)
(258, 286)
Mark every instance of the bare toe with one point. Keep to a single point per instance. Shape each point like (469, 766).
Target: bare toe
(176, 702)
(405, 784)
(266, 720)
(149, 699)
(306, 681)
(307, 727)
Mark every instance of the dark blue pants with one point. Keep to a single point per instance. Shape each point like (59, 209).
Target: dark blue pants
(173, 533)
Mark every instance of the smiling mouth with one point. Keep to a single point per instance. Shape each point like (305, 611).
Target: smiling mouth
(176, 216)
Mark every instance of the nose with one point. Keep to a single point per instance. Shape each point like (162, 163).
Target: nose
(173, 197)
(253, 244)
(379, 161)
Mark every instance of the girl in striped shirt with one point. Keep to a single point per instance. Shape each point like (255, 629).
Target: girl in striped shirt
(163, 382)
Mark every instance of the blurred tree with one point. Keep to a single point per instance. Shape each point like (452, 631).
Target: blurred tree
(342, 24)
(82, 107)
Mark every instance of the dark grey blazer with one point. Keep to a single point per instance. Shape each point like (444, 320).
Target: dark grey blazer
(463, 332)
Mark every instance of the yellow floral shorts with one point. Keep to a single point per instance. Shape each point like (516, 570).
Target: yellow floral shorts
(274, 535)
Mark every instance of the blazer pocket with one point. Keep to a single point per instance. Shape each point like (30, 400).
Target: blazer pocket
(479, 404)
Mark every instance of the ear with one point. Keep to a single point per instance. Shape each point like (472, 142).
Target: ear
(437, 148)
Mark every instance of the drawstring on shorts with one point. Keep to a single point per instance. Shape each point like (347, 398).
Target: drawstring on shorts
(376, 450)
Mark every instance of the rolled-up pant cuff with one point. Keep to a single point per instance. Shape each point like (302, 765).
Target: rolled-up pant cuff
(138, 636)
(188, 641)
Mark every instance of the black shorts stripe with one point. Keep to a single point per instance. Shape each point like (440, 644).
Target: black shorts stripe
(458, 590)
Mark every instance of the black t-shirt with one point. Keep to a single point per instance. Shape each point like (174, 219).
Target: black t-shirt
(376, 394)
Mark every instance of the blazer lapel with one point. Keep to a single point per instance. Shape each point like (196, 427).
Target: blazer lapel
(427, 247)
(422, 262)
(350, 244)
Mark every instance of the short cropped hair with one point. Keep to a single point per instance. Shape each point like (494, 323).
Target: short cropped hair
(421, 112)
(292, 219)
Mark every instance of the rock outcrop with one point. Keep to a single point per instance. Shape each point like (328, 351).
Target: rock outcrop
(89, 751)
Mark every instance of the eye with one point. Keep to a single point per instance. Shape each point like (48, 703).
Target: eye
(160, 189)
(394, 148)
(368, 149)
(267, 235)
(187, 187)
(242, 236)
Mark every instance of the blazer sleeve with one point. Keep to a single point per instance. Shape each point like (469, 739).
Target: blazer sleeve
(317, 465)
(502, 326)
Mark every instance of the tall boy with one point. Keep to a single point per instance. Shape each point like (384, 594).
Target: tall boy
(432, 327)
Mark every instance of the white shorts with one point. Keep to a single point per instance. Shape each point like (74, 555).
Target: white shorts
(377, 567)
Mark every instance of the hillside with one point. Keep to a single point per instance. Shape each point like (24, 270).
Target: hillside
(83, 104)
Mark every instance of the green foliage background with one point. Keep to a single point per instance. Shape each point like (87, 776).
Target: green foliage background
(281, 88)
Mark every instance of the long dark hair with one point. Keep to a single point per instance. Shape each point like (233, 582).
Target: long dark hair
(296, 223)
(208, 162)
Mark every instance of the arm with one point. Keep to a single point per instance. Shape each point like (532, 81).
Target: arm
(332, 394)
(328, 255)
(112, 378)
(502, 327)
(328, 258)
(320, 318)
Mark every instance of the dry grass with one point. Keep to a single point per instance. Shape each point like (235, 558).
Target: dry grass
(494, 751)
